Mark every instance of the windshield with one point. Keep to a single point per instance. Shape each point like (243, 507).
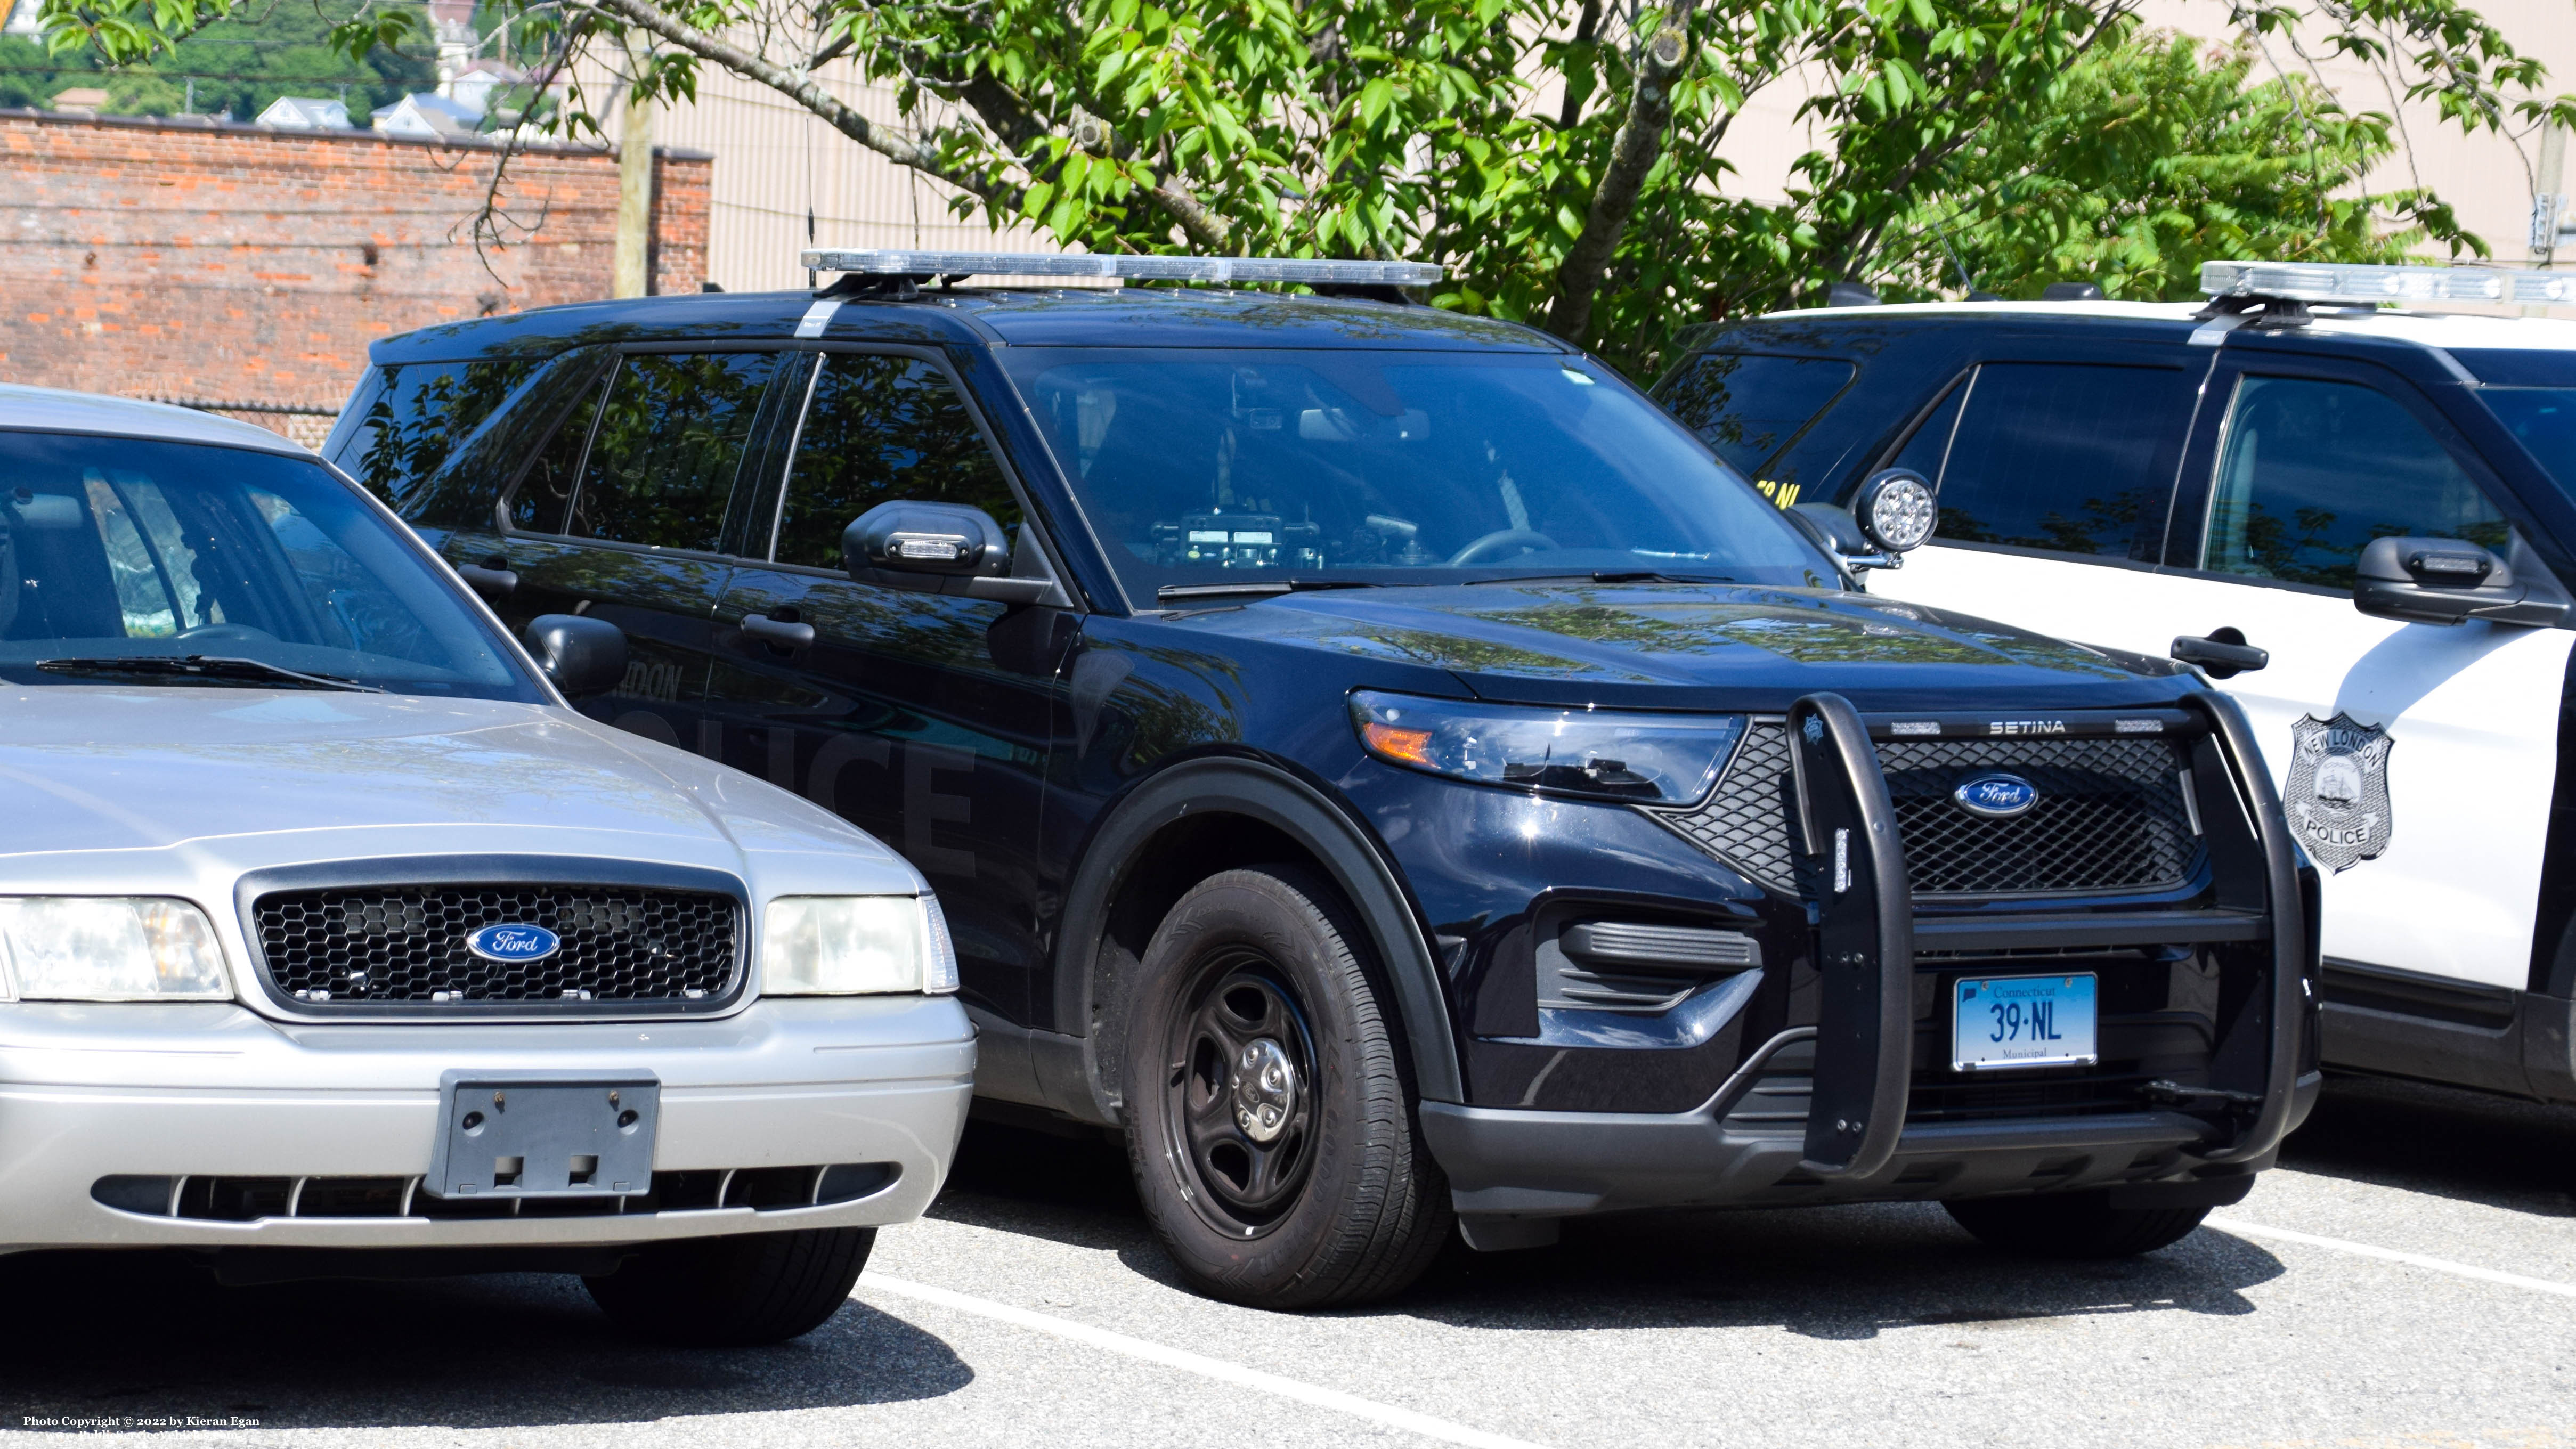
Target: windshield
(120, 549)
(1199, 468)
(2543, 419)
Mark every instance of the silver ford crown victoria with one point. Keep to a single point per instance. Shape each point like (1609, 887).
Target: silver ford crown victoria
(333, 942)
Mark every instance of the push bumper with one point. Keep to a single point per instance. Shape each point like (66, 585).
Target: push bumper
(1847, 1079)
(214, 1092)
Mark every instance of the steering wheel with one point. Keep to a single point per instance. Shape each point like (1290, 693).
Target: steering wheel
(226, 631)
(1499, 541)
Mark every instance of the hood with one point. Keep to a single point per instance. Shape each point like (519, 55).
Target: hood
(1689, 646)
(247, 778)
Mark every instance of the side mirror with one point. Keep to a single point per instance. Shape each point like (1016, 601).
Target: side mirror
(1892, 515)
(945, 548)
(491, 578)
(2444, 581)
(581, 656)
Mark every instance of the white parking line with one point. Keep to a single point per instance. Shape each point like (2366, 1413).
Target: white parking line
(2391, 1255)
(1214, 1368)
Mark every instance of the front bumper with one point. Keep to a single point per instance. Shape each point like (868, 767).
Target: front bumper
(1505, 1163)
(1836, 1089)
(213, 1091)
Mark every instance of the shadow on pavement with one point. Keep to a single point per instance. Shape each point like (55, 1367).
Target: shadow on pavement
(2441, 1140)
(1829, 1273)
(151, 1336)
(1843, 1273)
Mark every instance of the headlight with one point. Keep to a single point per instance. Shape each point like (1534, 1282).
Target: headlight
(1658, 757)
(90, 948)
(853, 945)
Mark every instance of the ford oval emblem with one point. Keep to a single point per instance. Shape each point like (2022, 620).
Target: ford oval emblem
(514, 943)
(1996, 797)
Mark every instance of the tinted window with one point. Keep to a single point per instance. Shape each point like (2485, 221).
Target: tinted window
(417, 414)
(2065, 457)
(1929, 444)
(1747, 406)
(2312, 471)
(117, 549)
(880, 429)
(1389, 467)
(2543, 420)
(671, 436)
(544, 492)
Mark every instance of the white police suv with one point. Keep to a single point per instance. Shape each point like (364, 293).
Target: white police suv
(2360, 519)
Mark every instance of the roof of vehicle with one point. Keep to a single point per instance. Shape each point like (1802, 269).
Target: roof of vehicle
(54, 410)
(2446, 330)
(1155, 316)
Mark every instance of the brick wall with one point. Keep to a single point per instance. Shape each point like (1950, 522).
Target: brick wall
(200, 261)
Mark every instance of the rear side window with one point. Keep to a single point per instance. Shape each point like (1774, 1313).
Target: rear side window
(414, 418)
(2065, 457)
(544, 492)
(671, 438)
(881, 429)
(1747, 405)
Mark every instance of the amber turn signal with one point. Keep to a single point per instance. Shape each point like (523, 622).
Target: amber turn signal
(1408, 747)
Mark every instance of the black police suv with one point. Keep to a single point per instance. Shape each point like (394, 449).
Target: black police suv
(1380, 762)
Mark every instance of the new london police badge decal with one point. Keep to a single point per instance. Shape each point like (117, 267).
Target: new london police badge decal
(2338, 790)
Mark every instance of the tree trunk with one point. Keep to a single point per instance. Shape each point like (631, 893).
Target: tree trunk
(1639, 144)
(634, 185)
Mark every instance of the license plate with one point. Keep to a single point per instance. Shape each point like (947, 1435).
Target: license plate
(2023, 1021)
(544, 1134)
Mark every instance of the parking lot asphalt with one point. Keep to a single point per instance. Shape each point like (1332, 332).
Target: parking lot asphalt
(2408, 1278)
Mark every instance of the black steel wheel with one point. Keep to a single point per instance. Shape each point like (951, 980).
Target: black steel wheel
(1240, 1110)
(1269, 1103)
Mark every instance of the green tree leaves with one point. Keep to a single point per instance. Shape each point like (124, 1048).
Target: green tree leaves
(1562, 157)
(2160, 153)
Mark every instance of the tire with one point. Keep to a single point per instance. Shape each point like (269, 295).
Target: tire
(2073, 1225)
(1341, 1202)
(747, 1288)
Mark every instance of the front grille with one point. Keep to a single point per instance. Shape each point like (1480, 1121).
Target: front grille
(2110, 816)
(406, 945)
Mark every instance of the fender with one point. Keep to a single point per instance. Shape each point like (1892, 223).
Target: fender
(1346, 852)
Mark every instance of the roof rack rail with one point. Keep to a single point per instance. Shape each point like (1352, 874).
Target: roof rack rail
(899, 272)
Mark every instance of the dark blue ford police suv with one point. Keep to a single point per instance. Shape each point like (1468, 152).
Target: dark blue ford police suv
(1381, 764)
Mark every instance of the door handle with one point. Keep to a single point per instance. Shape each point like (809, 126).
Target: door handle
(491, 578)
(2224, 654)
(786, 632)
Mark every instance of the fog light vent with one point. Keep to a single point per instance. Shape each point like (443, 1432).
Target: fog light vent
(1637, 967)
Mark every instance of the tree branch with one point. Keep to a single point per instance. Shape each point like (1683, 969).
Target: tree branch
(1639, 144)
(1587, 27)
(801, 88)
(1008, 117)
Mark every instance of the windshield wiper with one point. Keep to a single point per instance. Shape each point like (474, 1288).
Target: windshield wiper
(1169, 592)
(1613, 576)
(202, 666)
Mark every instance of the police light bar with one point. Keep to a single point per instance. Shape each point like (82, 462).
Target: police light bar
(2356, 282)
(1144, 269)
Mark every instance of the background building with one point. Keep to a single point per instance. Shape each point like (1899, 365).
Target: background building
(246, 268)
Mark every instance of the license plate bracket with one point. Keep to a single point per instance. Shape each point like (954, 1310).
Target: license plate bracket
(1999, 1023)
(544, 1134)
